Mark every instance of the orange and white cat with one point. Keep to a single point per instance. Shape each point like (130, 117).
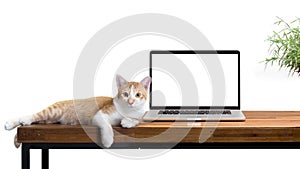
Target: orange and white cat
(126, 108)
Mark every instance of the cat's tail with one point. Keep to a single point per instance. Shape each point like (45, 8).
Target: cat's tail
(16, 143)
(9, 125)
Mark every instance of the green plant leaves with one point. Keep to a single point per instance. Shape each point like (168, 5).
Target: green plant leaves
(285, 46)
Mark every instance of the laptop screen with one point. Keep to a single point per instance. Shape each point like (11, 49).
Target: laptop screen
(195, 79)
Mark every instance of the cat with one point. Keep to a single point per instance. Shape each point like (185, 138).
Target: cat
(126, 108)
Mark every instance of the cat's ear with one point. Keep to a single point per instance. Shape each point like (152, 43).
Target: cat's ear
(146, 82)
(120, 81)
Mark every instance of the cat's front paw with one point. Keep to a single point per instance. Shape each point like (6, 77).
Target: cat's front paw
(128, 123)
(107, 141)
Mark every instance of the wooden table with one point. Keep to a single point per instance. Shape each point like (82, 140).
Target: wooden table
(262, 129)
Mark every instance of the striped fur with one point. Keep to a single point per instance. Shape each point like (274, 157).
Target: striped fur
(126, 109)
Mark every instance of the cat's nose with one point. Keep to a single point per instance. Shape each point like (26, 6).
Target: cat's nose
(131, 101)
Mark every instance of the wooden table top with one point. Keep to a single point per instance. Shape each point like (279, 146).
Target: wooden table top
(260, 126)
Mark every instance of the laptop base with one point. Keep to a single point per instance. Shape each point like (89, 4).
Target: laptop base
(154, 115)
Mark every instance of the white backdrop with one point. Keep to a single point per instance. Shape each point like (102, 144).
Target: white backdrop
(41, 41)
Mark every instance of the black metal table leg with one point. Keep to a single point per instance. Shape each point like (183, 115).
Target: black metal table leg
(25, 156)
(45, 158)
(46, 146)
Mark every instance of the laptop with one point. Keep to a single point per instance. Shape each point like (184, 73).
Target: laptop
(201, 85)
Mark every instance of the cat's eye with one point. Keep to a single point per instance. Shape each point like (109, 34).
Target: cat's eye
(138, 95)
(125, 94)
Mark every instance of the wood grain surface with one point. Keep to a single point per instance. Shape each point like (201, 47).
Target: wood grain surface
(260, 126)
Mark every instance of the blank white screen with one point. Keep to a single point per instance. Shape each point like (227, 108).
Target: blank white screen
(164, 79)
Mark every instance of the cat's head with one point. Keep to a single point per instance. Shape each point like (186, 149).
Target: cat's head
(133, 94)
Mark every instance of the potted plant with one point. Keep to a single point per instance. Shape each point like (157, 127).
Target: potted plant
(285, 46)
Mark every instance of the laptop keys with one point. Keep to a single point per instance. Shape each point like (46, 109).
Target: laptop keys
(200, 112)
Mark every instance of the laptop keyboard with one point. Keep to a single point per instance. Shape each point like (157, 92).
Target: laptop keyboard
(200, 112)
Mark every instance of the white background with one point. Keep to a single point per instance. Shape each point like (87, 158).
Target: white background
(41, 41)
